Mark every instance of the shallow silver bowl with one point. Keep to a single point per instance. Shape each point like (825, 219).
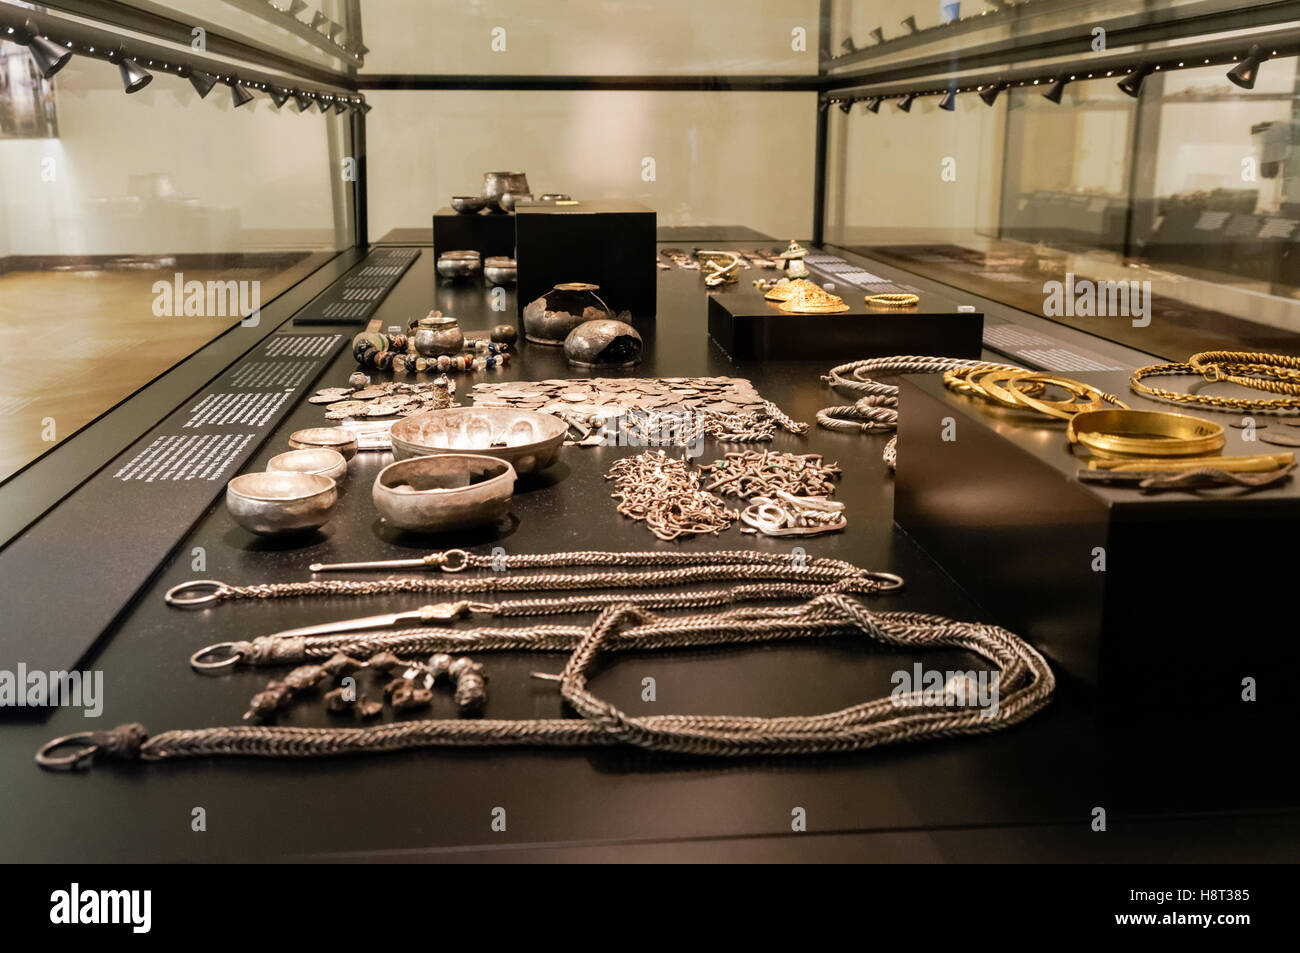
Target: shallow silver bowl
(459, 264)
(320, 460)
(450, 491)
(500, 270)
(468, 204)
(329, 438)
(271, 503)
(527, 440)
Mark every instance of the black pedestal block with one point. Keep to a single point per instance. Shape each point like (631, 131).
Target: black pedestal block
(1196, 591)
(748, 327)
(610, 243)
(488, 233)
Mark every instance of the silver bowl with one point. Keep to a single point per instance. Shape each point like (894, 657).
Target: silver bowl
(459, 264)
(604, 343)
(450, 491)
(468, 204)
(497, 184)
(556, 197)
(527, 440)
(510, 199)
(320, 460)
(550, 318)
(271, 503)
(500, 270)
(329, 438)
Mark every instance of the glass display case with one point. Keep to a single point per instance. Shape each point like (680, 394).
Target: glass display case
(522, 378)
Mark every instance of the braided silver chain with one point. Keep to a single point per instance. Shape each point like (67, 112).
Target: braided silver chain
(1025, 684)
(679, 568)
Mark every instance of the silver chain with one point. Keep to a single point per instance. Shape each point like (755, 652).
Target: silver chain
(1025, 685)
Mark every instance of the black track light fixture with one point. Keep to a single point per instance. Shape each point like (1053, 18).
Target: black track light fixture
(201, 81)
(990, 92)
(318, 20)
(134, 76)
(1244, 73)
(949, 101)
(909, 24)
(845, 106)
(335, 29)
(303, 101)
(1132, 83)
(365, 107)
(848, 46)
(873, 104)
(339, 106)
(1054, 92)
(239, 95)
(878, 34)
(296, 7)
(49, 56)
(905, 104)
(278, 96)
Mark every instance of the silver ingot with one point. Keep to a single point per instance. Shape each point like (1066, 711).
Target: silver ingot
(550, 318)
(604, 343)
(459, 264)
(437, 335)
(326, 462)
(500, 270)
(442, 493)
(527, 440)
(272, 503)
(497, 184)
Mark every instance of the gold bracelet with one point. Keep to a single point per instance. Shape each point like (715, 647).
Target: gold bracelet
(1275, 373)
(1144, 433)
(1275, 405)
(893, 300)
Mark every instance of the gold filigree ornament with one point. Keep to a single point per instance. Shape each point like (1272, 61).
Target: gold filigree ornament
(809, 298)
(780, 290)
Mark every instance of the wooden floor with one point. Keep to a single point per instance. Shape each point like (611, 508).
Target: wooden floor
(78, 342)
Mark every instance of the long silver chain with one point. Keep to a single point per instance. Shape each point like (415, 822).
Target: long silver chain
(667, 569)
(1025, 685)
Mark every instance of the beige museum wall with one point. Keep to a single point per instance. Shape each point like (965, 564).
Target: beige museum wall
(625, 37)
(743, 158)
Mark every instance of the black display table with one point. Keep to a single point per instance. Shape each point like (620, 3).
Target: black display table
(1024, 793)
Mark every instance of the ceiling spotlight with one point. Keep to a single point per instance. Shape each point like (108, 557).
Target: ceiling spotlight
(238, 95)
(1244, 73)
(873, 104)
(1132, 83)
(296, 7)
(366, 107)
(845, 105)
(878, 34)
(949, 101)
(1053, 95)
(318, 20)
(49, 56)
(334, 30)
(848, 46)
(339, 106)
(990, 92)
(201, 81)
(134, 76)
(303, 101)
(905, 103)
(278, 96)
(910, 23)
